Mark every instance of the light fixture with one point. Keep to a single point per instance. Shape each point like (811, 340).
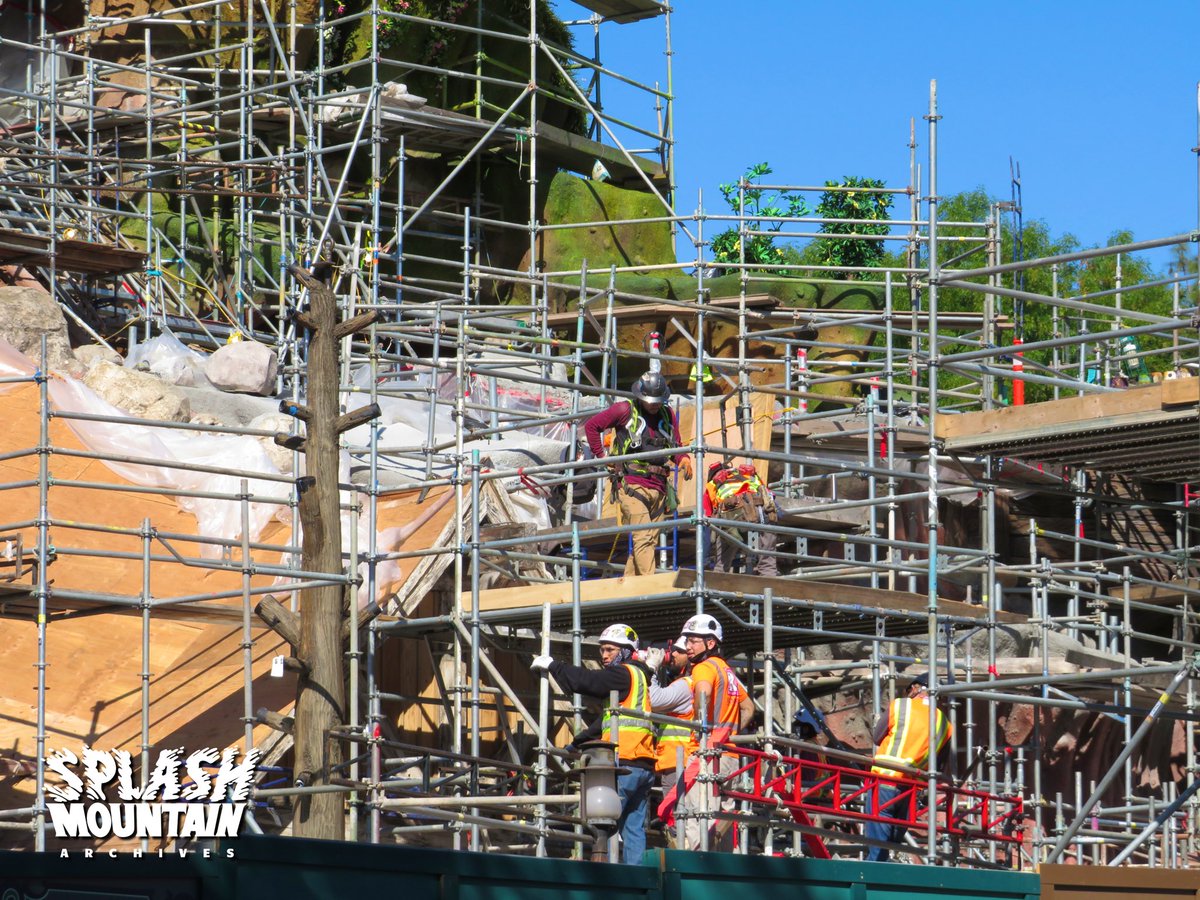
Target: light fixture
(599, 802)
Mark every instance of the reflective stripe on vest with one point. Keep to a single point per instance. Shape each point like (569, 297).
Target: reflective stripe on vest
(731, 487)
(725, 705)
(907, 741)
(671, 737)
(630, 439)
(635, 738)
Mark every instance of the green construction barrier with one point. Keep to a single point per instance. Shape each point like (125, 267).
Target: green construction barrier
(724, 876)
(268, 867)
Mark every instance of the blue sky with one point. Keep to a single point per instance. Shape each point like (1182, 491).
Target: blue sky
(1097, 101)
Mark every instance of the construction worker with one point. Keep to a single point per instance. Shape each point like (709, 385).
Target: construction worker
(809, 727)
(719, 701)
(736, 492)
(641, 487)
(624, 673)
(676, 743)
(901, 738)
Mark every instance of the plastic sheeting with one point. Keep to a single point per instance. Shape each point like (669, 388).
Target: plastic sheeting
(215, 518)
(167, 357)
(165, 446)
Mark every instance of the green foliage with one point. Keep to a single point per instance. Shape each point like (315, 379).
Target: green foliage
(1034, 321)
(759, 207)
(852, 204)
(436, 44)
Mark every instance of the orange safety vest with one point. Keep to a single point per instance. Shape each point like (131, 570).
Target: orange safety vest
(672, 737)
(727, 691)
(907, 740)
(728, 483)
(635, 737)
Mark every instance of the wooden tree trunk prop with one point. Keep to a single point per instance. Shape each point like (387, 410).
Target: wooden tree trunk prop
(321, 691)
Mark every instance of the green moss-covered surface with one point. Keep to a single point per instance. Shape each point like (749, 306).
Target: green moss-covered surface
(400, 43)
(577, 200)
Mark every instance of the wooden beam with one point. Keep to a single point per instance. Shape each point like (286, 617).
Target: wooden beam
(282, 620)
(1051, 416)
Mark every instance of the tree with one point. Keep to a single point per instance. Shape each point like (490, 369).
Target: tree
(1033, 321)
(866, 203)
(320, 690)
(759, 208)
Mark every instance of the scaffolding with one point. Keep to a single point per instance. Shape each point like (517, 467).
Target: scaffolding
(162, 171)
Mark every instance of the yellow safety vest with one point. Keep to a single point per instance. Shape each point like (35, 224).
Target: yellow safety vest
(672, 737)
(632, 437)
(635, 737)
(907, 740)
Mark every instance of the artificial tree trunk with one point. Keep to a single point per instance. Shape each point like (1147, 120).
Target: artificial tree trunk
(321, 689)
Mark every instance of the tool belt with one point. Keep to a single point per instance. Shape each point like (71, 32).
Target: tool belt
(749, 506)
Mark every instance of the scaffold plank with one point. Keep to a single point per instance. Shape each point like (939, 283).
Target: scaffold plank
(1148, 431)
(578, 153)
(806, 612)
(624, 11)
(81, 257)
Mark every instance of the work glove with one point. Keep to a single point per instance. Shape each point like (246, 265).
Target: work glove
(541, 663)
(654, 657)
(686, 467)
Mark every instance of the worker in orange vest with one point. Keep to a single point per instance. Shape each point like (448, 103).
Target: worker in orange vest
(901, 738)
(736, 492)
(624, 673)
(719, 701)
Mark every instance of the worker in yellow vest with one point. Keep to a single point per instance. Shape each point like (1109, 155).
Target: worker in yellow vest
(675, 742)
(624, 673)
(643, 489)
(902, 738)
(736, 492)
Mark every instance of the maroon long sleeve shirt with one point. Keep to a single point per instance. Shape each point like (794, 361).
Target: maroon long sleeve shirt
(620, 413)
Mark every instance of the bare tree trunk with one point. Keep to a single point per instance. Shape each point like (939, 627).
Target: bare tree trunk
(320, 701)
(321, 691)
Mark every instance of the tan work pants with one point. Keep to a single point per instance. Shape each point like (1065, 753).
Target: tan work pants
(640, 506)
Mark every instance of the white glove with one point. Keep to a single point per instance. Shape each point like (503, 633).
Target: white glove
(541, 663)
(654, 657)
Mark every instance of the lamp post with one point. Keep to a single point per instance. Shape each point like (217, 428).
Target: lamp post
(599, 802)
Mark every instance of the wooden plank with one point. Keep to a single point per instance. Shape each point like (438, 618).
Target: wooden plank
(1052, 415)
(843, 595)
(682, 581)
(1181, 392)
(1171, 593)
(536, 595)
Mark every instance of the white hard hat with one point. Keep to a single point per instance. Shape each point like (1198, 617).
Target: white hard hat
(621, 635)
(680, 644)
(703, 626)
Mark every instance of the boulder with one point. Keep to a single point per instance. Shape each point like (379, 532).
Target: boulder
(226, 409)
(205, 418)
(90, 354)
(138, 393)
(29, 313)
(244, 367)
(279, 423)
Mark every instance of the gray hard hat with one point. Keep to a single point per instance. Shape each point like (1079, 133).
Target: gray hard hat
(652, 388)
